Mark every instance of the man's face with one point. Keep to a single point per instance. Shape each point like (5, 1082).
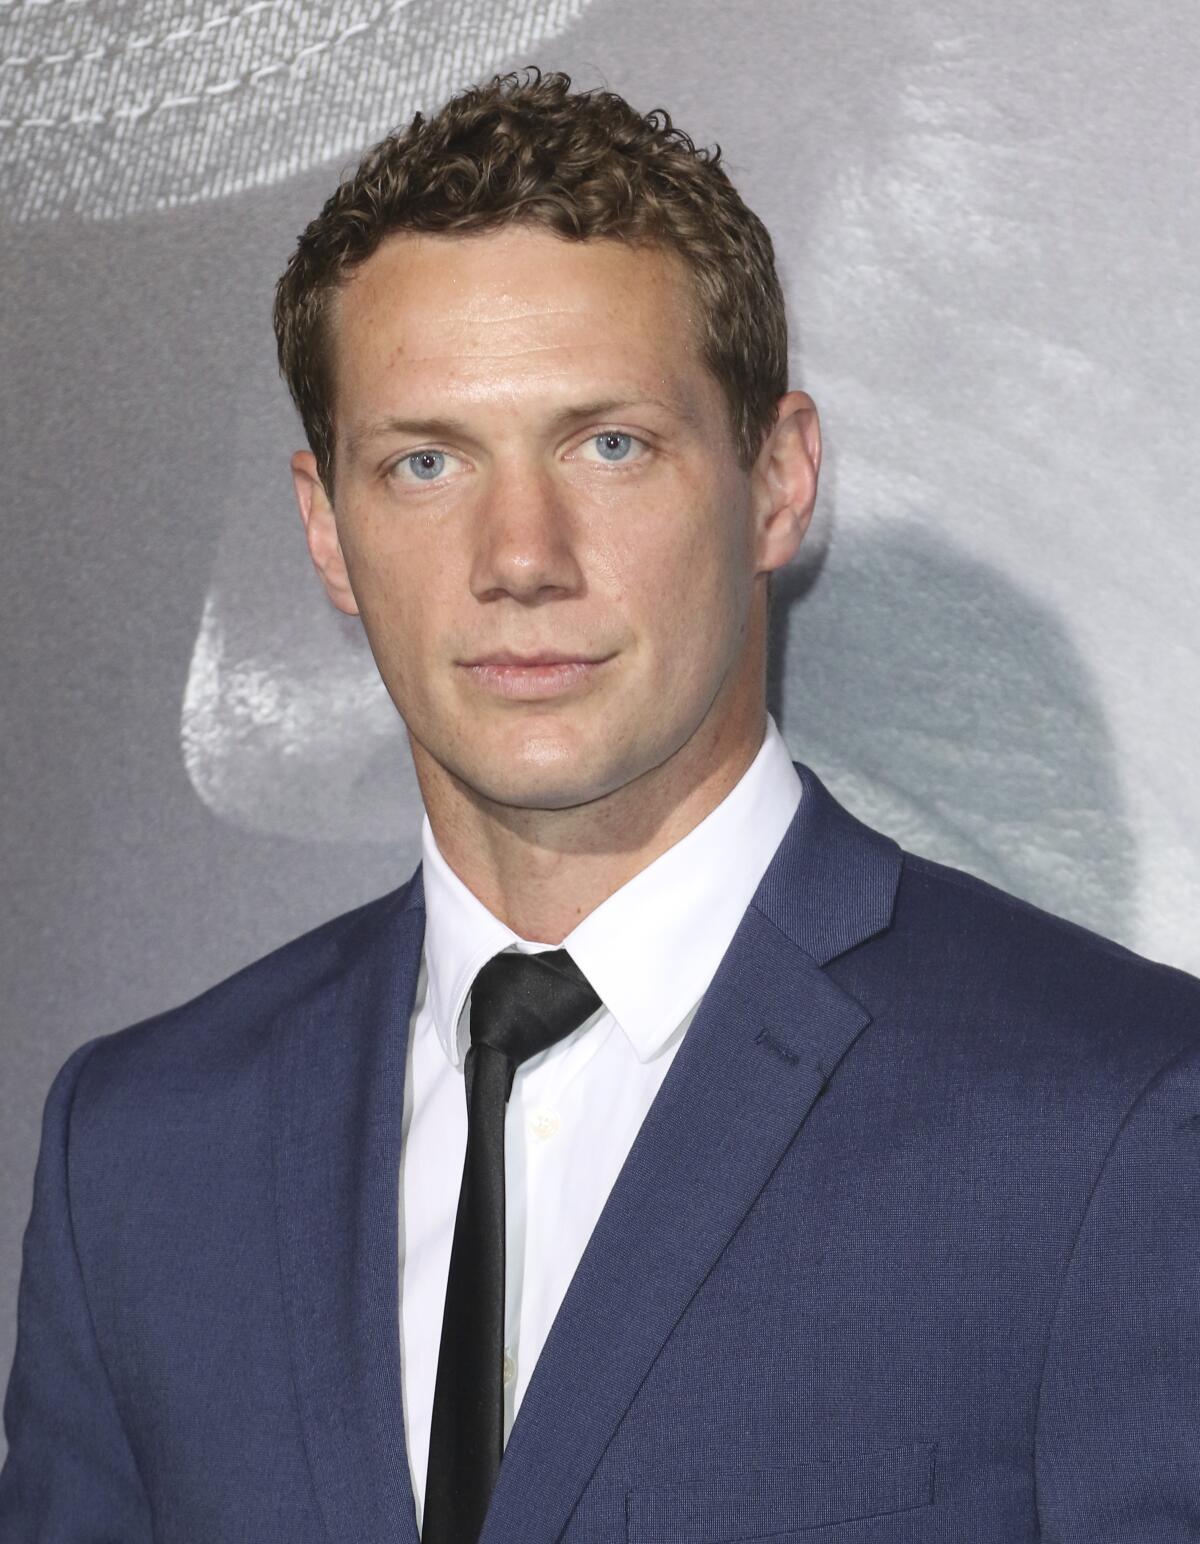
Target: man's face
(540, 511)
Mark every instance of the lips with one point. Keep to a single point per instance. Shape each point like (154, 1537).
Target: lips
(532, 677)
(548, 657)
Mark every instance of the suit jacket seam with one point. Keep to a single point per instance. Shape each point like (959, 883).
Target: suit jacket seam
(275, 1159)
(85, 1055)
(1138, 1099)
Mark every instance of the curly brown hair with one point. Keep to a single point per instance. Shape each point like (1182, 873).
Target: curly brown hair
(526, 148)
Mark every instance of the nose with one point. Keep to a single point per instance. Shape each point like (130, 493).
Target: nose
(524, 541)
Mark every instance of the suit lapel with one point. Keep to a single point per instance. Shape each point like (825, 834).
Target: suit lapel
(766, 1039)
(339, 1080)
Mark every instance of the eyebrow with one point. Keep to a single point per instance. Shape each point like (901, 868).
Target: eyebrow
(457, 429)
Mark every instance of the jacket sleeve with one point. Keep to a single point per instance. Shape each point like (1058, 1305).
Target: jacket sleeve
(70, 1477)
(1118, 1434)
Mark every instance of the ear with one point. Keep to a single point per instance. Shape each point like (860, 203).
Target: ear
(320, 529)
(784, 480)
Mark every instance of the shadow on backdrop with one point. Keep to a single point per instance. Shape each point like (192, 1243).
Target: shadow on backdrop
(952, 711)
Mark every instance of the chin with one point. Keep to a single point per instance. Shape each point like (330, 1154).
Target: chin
(543, 771)
(557, 788)
(550, 761)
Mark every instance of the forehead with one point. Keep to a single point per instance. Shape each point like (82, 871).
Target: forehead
(513, 307)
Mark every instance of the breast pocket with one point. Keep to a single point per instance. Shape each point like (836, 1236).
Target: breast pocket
(779, 1503)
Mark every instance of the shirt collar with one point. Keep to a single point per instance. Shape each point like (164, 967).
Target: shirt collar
(649, 950)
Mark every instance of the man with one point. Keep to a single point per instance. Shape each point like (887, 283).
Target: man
(731, 1173)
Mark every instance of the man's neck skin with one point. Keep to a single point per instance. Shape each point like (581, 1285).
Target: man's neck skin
(542, 871)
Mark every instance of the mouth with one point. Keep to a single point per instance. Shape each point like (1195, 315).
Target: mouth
(546, 657)
(532, 677)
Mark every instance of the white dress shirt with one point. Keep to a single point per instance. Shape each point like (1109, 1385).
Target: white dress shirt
(649, 951)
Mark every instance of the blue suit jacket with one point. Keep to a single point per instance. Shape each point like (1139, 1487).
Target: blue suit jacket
(906, 1248)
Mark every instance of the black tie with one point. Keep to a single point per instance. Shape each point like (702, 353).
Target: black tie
(520, 1004)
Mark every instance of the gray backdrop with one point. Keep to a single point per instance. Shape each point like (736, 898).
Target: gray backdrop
(987, 219)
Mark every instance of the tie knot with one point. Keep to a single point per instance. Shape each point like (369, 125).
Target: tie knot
(524, 1003)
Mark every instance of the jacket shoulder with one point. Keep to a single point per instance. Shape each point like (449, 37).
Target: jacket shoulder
(986, 908)
(215, 1033)
(976, 955)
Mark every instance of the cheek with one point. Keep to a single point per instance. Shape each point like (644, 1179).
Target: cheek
(402, 598)
(711, 560)
(392, 564)
(688, 596)
(677, 536)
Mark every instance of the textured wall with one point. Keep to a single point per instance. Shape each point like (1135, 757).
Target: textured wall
(986, 216)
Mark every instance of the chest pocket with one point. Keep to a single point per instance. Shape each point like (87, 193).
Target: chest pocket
(780, 1503)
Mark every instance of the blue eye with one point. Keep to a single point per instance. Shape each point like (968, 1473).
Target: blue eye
(426, 464)
(613, 446)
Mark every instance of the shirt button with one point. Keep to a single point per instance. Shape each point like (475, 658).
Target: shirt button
(543, 1124)
(510, 1369)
